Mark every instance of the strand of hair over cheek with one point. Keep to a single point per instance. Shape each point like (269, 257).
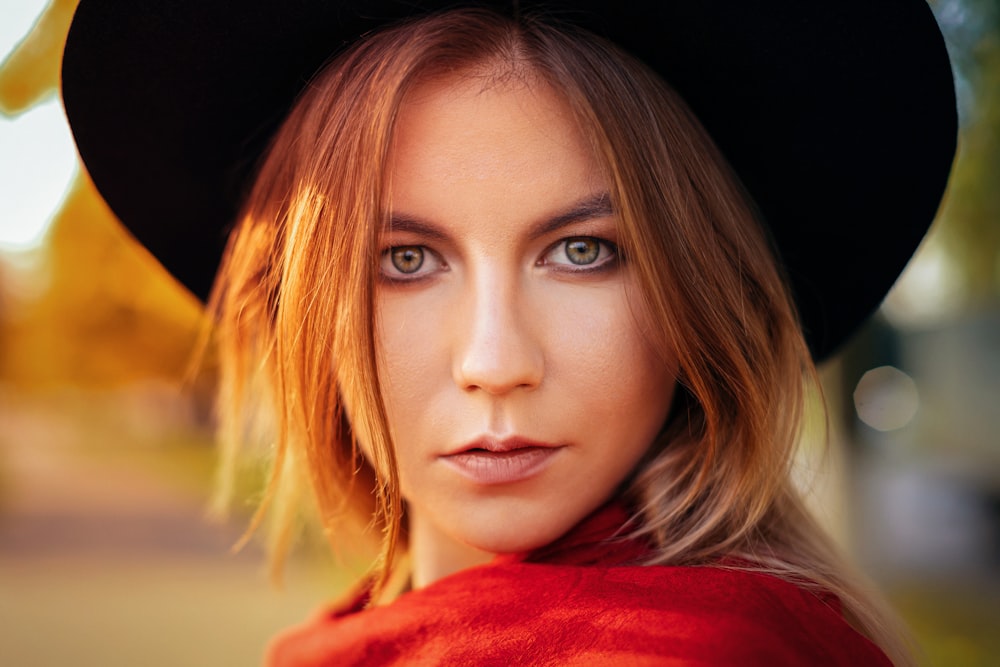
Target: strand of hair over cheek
(348, 230)
(710, 489)
(243, 303)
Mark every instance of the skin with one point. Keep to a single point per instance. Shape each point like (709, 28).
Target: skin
(497, 332)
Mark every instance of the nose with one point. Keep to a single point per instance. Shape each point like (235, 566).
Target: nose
(496, 351)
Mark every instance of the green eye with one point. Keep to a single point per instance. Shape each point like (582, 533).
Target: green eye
(581, 254)
(409, 263)
(582, 251)
(407, 259)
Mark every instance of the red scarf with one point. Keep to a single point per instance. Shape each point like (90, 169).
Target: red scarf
(584, 601)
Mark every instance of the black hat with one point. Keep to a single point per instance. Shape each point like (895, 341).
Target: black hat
(838, 117)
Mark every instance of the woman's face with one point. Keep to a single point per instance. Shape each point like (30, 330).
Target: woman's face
(520, 384)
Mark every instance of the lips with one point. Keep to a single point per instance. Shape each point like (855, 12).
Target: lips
(491, 461)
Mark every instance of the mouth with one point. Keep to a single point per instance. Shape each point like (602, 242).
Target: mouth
(491, 461)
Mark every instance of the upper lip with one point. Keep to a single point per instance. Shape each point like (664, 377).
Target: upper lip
(499, 445)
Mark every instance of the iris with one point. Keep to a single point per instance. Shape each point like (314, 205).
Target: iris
(408, 259)
(582, 250)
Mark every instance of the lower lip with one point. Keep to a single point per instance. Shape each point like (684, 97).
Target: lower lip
(483, 467)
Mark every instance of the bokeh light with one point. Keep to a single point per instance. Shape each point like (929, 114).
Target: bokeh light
(886, 398)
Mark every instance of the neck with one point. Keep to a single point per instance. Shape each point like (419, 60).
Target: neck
(434, 554)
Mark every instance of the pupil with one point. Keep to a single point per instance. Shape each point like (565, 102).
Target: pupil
(408, 260)
(582, 251)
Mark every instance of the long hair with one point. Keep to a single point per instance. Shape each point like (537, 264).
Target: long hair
(295, 296)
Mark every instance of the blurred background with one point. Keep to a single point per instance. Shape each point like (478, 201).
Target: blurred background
(106, 462)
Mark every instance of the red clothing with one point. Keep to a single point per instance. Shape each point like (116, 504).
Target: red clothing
(583, 601)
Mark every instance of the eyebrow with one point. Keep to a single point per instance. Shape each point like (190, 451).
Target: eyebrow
(594, 206)
(401, 222)
(589, 208)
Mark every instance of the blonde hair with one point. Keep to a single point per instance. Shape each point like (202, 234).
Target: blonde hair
(295, 302)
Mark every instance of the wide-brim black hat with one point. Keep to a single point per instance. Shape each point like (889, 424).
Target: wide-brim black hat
(838, 117)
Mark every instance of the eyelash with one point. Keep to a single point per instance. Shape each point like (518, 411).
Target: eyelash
(607, 257)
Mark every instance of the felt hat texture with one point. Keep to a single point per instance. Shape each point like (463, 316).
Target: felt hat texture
(838, 117)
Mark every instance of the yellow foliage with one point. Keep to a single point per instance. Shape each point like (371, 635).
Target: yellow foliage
(31, 73)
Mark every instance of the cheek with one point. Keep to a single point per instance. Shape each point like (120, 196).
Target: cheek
(408, 344)
(414, 373)
(607, 349)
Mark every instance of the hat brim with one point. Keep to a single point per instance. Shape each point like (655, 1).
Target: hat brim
(839, 118)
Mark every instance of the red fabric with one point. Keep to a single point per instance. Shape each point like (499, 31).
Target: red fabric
(583, 601)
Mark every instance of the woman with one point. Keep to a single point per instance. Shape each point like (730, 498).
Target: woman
(493, 286)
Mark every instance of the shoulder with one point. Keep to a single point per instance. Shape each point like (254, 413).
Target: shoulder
(523, 613)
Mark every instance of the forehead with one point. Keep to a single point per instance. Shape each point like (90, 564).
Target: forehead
(490, 138)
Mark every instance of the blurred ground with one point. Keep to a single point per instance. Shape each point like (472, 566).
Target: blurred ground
(106, 557)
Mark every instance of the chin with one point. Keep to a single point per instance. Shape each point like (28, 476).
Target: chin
(500, 544)
(515, 532)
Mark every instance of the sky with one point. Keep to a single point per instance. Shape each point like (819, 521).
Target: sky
(37, 157)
